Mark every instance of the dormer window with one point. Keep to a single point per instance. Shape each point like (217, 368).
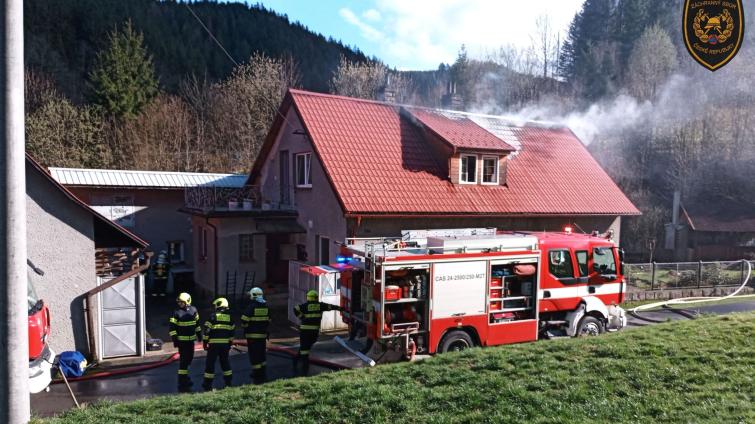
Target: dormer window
(468, 169)
(490, 169)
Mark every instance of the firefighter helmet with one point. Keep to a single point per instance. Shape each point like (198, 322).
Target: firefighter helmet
(185, 298)
(255, 292)
(312, 295)
(220, 302)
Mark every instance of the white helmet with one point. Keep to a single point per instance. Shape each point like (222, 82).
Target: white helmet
(256, 293)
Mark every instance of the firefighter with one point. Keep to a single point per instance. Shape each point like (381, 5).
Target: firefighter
(160, 274)
(218, 334)
(184, 330)
(255, 321)
(310, 315)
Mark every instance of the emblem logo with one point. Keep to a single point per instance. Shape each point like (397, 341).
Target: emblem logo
(713, 30)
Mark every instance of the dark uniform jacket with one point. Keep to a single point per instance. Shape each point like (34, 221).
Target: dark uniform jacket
(184, 325)
(310, 314)
(219, 328)
(255, 320)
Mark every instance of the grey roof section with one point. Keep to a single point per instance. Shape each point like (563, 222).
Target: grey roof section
(156, 179)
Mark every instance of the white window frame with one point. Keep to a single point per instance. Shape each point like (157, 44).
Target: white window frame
(495, 173)
(252, 258)
(307, 169)
(461, 167)
(181, 251)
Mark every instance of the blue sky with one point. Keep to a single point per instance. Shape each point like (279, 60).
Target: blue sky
(421, 34)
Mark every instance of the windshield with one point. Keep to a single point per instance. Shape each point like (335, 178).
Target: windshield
(603, 260)
(31, 295)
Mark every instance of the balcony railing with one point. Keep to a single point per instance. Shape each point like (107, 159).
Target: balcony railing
(211, 198)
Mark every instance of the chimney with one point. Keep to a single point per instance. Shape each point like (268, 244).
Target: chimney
(452, 100)
(388, 92)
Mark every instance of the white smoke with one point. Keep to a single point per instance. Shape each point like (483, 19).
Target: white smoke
(601, 119)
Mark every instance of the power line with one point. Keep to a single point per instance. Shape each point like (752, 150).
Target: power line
(211, 35)
(270, 102)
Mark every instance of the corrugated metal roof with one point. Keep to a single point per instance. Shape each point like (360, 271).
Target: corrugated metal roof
(157, 179)
(377, 161)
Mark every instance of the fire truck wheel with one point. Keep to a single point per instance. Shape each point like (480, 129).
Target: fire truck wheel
(455, 341)
(589, 326)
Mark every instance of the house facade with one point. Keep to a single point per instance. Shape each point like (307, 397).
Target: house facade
(335, 167)
(718, 231)
(67, 239)
(358, 168)
(149, 204)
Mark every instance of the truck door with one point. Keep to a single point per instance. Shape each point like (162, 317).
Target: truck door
(561, 286)
(603, 279)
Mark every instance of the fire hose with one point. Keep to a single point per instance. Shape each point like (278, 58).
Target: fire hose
(198, 346)
(701, 299)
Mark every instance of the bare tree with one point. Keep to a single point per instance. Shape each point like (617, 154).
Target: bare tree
(651, 62)
(363, 80)
(243, 108)
(545, 44)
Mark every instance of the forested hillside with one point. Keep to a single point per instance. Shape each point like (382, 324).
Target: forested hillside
(64, 36)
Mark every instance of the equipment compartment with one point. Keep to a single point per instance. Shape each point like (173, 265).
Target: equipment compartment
(406, 306)
(511, 294)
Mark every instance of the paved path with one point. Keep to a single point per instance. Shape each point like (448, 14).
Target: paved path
(156, 381)
(163, 380)
(674, 314)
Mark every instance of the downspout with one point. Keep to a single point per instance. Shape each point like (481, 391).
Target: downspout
(214, 253)
(88, 297)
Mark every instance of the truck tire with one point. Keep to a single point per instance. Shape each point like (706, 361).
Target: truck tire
(455, 341)
(589, 326)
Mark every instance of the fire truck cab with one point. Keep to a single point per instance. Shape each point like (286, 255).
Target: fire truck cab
(445, 293)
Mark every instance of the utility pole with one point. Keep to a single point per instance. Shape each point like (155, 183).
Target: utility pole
(14, 333)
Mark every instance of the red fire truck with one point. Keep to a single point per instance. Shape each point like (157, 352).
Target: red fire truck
(40, 355)
(445, 293)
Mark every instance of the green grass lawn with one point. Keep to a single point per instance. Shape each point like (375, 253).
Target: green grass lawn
(691, 371)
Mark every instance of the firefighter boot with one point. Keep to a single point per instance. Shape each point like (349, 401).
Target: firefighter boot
(305, 365)
(295, 363)
(207, 384)
(228, 380)
(184, 384)
(258, 375)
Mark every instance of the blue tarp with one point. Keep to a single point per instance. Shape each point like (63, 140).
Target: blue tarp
(72, 364)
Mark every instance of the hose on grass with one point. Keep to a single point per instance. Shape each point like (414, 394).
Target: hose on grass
(687, 300)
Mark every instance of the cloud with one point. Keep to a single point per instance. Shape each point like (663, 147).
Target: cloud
(371, 15)
(366, 30)
(421, 34)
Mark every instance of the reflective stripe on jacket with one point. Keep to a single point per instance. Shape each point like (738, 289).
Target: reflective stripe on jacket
(219, 328)
(256, 320)
(184, 325)
(310, 314)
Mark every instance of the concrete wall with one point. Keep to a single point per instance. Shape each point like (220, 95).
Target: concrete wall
(389, 227)
(228, 231)
(60, 242)
(156, 219)
(320, 213)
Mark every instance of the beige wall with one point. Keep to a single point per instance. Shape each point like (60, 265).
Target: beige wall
(60, 241)
(156, 220)
(228, 231)
(390, 227)
(320, 212)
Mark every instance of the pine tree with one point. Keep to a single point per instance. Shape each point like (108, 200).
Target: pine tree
(123, 80)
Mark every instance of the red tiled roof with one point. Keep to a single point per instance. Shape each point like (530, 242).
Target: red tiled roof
(379, 162)
(459, 131)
